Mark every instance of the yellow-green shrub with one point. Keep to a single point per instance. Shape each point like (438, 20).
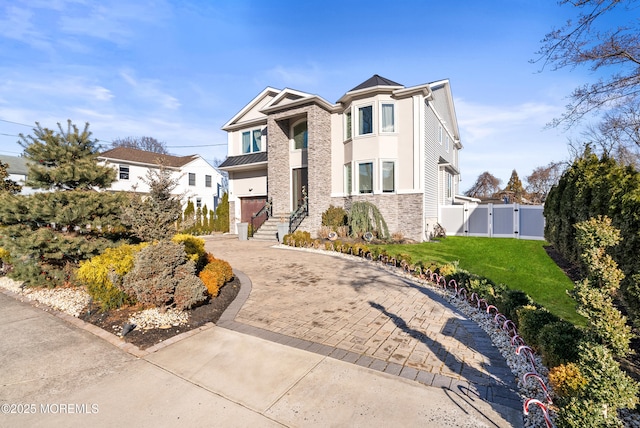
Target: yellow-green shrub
(194, 247)
(103, 275)
(4, 255)
(566, 379)
(215, 273)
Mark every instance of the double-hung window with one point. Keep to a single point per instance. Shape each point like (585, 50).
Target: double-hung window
(192, 179)
(365, 120)
(388, 176)
(207, 181)
(251, 141)
(123, 173)
(365, 177)
(387, 118)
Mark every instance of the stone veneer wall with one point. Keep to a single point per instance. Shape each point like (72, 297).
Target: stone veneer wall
(403, 213)
(318, 162)
(232, 217)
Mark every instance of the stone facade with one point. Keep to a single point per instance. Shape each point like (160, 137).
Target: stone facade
(402, 213)
(318, 161)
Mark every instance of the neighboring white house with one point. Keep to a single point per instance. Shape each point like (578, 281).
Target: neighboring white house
(17, 171)
(381, 142)
(202, 183)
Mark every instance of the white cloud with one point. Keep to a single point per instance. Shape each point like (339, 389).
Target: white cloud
(148, 89)
(295, 77)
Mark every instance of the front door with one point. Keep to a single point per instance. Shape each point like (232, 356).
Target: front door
(299, 186)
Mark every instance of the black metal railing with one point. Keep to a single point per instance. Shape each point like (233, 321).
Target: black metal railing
(255, 219)
(298, 215)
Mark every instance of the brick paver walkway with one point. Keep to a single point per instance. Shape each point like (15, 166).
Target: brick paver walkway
(352, 310)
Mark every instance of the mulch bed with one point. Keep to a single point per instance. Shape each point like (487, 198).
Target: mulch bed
(113, 320)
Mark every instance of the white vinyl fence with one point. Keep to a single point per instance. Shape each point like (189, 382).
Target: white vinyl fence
(493, 220)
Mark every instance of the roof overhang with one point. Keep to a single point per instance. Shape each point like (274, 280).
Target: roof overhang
(143, 164)
(313, 99)
(245, 167)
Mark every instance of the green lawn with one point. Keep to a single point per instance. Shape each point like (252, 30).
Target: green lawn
(519, 264)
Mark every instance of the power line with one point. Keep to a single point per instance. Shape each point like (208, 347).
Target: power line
(16, 123)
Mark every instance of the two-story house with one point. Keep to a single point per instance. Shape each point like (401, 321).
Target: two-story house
(382, 142)
(197, 179)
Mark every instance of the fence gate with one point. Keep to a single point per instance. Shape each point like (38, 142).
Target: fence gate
(498, 221)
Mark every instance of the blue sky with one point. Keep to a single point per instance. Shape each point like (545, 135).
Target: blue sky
(178, 70)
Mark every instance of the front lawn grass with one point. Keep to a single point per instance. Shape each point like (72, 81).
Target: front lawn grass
(517, 263)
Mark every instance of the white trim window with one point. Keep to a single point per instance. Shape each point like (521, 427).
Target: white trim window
(365, 120)
(440, 134)
(365, 177)
(192, 179)
(207, 181)
(348, 178)
(387, 118)
(251, 141)
(388, 176)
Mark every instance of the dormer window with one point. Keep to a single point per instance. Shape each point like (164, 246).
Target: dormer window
(251, 141)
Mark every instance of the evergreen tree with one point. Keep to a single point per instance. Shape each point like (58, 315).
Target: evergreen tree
(514, 186)
(64, 160)
(6, 184)
(48, 233)
(221, 221)
(153, 217)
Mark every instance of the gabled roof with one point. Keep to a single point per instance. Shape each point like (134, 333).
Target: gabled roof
(17, 164)
(127, 154)
(374, 81)
(265, 94)
(288, 98)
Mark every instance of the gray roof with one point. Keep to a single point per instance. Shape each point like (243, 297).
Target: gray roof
(374, 81)
(244, 159)
(17, 164)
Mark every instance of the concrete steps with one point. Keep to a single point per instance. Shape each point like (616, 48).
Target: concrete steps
(269, 229)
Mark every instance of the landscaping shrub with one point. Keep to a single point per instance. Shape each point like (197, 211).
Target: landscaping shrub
(190, 290)
(530, 320)
(483, 286)
(591, 187)
(511, 300)
(158, 270)
(103, 275)
(360, 249)
(566, 379)
(558, 342)
(595, 401)
(215, 274)
(366, 217)
(194, 247)
(5, 260)
(334, 217)
(299, 238)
